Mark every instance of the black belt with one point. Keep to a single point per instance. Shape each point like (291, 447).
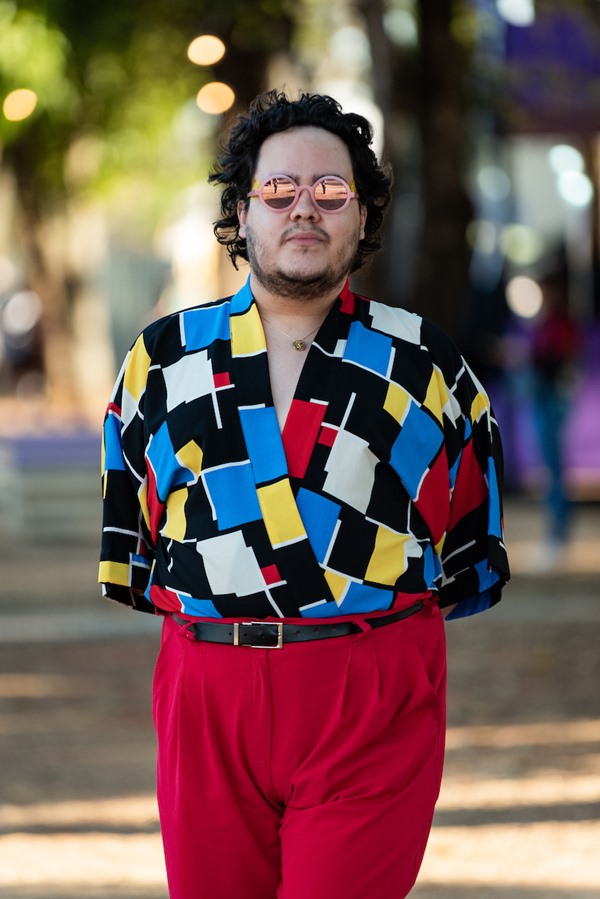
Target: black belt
(272, 634)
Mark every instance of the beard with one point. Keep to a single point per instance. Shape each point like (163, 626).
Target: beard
(299, 285)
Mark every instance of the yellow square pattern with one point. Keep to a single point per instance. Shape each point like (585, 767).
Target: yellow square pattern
(437, 395)
(280, 513)
(247, 335)
(143, 501)
(396, 402)
(136, 370)
(176, 525)
(190, 456)
(388, 560)
(337, 584)
(479, 405)
(114, 573)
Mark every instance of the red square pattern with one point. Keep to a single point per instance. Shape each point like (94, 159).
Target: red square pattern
(327, 435)
(271, 574)
(221, 379)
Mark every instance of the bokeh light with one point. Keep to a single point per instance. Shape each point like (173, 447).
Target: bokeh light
(21, 313)
(517, 12)
(521, 244)
(401, 27)
(350, 43)
(482, 235)
(524, 296)
(565, 158)
(575, 188)
(493, 182)
(19, 104)
(215, 98)
(206, 50)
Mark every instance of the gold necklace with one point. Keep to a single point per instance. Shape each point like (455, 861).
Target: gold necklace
(298, 343)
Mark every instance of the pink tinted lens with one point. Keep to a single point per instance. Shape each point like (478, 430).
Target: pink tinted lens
(278, 193)
(331, 194)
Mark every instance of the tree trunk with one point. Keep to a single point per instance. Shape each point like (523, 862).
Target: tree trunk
(46, 278)
(442, 256)
(385, 277)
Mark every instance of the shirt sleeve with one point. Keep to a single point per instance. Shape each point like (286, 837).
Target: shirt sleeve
(473, 556)
(127, 550)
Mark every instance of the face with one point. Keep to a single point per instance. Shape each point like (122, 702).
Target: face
(302, 253)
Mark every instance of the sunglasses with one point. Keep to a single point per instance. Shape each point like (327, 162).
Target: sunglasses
(281, 193)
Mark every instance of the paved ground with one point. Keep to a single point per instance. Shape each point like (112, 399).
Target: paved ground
(519, 814)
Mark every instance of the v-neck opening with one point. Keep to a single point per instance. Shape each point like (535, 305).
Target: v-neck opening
(299, 574)
(289, 431)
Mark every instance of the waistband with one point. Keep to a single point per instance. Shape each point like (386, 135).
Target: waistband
(273, 634)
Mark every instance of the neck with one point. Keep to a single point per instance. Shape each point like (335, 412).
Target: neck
(304, 309)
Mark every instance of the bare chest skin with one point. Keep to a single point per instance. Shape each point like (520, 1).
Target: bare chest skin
(285, 365)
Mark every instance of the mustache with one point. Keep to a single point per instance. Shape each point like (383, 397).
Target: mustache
(299, 229)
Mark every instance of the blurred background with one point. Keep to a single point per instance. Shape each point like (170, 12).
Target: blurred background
(110, 120)
(111, 116)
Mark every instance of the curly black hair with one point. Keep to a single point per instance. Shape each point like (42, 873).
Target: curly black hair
(273, 112)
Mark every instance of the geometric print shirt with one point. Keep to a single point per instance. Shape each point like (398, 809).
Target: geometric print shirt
(384, 486)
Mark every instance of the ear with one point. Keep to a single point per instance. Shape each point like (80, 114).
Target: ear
(242, 214)
(363, 218)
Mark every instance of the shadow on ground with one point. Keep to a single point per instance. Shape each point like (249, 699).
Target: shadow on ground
(519, 814)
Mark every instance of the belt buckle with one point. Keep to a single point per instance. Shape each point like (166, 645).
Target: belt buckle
(278, 625)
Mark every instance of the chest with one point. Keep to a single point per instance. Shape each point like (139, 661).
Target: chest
(285, 367)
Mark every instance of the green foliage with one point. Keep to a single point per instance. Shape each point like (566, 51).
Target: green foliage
(116, 91)
(33, 54)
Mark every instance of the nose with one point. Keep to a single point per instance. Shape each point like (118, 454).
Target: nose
(305, 207)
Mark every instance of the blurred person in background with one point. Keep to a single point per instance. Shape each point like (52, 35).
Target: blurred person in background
(555, 344)
(303, 483)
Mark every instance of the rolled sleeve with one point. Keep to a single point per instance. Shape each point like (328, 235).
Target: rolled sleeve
(127, 551)
(474, 560)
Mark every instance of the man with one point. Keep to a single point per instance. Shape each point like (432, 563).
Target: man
(298, 479)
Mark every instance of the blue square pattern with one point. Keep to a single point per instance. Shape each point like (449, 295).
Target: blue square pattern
(432, 567)
(263, 442)
(243, 299)
(319, 516)
(167, 470)
(472, 606)
(363, 598)
(487, 577)
(494, 511)
(322, 610)
(204, 608)
(368, 349)
(359, 598)
(415, 447)
(113, 453)
(453, 472)
(204, 325)
(233, 495)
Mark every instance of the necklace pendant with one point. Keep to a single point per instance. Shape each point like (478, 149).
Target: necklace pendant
(299, 345)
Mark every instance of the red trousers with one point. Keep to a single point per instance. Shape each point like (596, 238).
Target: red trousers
(309, 772)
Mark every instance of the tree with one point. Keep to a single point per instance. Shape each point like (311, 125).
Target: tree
(112, 79)
(421, 90)
(456, 73)
(443, 256)
(34, 54)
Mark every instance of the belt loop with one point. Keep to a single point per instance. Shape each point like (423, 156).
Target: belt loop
(365, 630)
(428, 606)
(189, 631)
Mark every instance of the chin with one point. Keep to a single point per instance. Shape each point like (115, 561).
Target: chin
(304, 276)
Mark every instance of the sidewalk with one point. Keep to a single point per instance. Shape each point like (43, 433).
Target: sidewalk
(519, 814)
